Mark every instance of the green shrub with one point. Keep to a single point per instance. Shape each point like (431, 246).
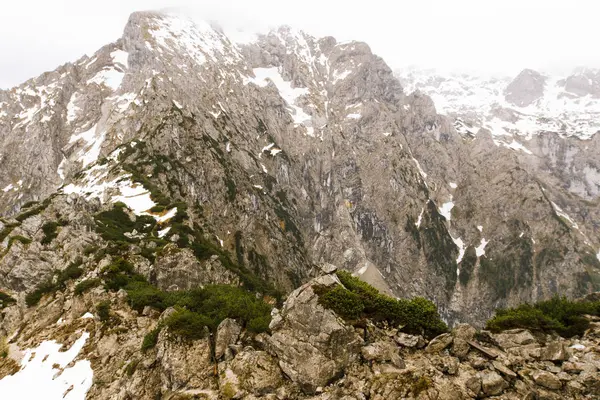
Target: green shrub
(103, 310)
(73, 271)
(86, 285)
(188, 324)
(114, 223)
(18, 238)
(50, 232)
(359, 300)
(347, 304)
(6, 300)
(558, 314)
(29, 204)
(151, 338)
(46, 287)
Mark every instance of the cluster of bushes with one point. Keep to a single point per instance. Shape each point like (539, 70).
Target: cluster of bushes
(5, 300)
(558, 314)
(50, 230)
(114, 223)
(357, 300)
(55, 283)
(197, 310)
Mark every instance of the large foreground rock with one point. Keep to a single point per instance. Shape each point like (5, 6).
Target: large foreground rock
(313, 345)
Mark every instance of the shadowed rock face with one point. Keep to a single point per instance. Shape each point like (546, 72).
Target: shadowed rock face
(286, 152)
(526, 88)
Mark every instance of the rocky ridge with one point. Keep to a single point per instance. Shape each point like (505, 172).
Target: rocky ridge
(310, 353)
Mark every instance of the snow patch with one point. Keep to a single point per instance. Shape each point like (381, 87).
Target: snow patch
(109, 77)
(563, 214)
(446, 209)
(480, 250)
(163, 232)
(418, 223)
(461, 249)
(120, 57)
(453, 185)
(265, 75)
(87, 315)
(480, 228)
(39, 377)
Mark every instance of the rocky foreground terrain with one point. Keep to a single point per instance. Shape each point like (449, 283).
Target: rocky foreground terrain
(176, 163)
(310, 353)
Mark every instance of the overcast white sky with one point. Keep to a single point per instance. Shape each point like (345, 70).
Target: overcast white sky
(493, 36)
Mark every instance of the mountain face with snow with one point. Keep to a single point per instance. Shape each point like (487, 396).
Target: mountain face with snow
(289, 151)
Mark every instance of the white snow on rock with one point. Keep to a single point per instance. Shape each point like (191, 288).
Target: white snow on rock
(418, 223)
(163, 232)
(564, 215)
(135, 196)
(446, 209)
(87, 315)
(265, 75)
(38, 377)
(423, 174)
(72, 109)
(7, 188)
(93, 140)
(480, 250)
(95, 184)
(109, 77)
(514, 145)
(461, 249)
(354, 116)
(578, 347)
(480, 228)
(271, 149)
(120, 57)
(453, 185)
(61, 169)
(339, 76)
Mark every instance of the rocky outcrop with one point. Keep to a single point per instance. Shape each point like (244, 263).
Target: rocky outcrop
(312, 344)
(526, 88)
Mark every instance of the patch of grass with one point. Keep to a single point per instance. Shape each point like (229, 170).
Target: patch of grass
(50, 230)
(46, 287)
(86, 285)
(18, 238)
(359, 300)
(29, 204)
(558, 314)
(151, 338)
(103, 310)
(33, 211)
(6, 300)
(131, 367)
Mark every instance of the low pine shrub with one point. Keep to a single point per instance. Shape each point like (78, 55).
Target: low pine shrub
(560, 315)
(357, 300)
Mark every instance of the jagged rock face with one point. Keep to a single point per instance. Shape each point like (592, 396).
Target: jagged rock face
(527, 87)
(289, 151)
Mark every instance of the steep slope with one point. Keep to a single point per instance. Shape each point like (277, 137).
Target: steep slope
(250, 163)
